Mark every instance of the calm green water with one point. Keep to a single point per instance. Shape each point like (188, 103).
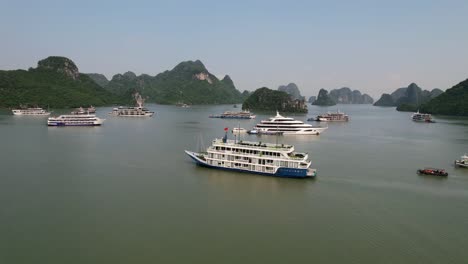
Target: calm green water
(126, 193)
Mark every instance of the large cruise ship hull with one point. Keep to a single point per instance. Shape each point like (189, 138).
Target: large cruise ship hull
(64, 124)
(281, 172)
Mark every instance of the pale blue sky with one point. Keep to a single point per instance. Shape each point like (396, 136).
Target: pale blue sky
(373, 46)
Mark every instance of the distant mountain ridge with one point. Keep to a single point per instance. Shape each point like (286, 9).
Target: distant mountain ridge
(347, 96)
(408, 98)
(56, 82)
(292, 90)
(188, 82)
(324, 99)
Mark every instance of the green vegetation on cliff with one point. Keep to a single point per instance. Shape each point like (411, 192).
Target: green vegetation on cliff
(189, 82)
(56, 82)
(98, 78)
(323, 99)
(265, 99)
(453, 102)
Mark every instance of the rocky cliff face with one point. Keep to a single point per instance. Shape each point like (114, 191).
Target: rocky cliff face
(312, 99)
(98, 78)
(323, 99)
(347, 96)
(189, 82)
(61, 65)
(292, 90)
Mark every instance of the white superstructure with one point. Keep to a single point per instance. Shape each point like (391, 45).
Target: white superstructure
(255, 157)
(138, 111)
(131, 112)
(31, 112)
(75, 120)
(288, 126)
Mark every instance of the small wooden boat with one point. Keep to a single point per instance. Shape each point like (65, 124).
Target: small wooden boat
(433, 171)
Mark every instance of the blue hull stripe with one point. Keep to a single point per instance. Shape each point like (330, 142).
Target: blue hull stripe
(281, 172)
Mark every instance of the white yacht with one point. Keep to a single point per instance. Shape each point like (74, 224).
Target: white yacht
(255, 157)
(75, 120)
(462, 162)
(138, 111)
(287, 126)
(31, 112)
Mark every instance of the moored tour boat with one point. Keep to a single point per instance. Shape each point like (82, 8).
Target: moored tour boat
(255, 157)
(462, 162)
(331, 117)
(37, 111)
(75, 120)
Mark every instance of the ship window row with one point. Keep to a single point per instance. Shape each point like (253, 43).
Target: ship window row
(249, 151)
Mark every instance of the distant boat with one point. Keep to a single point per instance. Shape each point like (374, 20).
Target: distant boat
(183, 105)
(235, 106)
(235, 115)
(82, 111)
(75, 120)
(255, 157)
(433, 171)
(37, 111)
(137, 111)
(331, 117)
(462, 162)
(421, 117)
(239, 130)
(287, 126)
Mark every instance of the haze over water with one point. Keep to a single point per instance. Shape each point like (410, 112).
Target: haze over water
(126, 193)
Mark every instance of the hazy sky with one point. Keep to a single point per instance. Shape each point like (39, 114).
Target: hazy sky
(373, 46)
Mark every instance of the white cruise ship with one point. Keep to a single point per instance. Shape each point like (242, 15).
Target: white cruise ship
(255, 157)
(131, 112)
(75, 120)
(138, 111)
(287, 126)
(31, 112)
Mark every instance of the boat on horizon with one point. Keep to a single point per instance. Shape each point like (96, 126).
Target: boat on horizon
(82, 111)
(246, 114)
(255, 157)
(32, 111)
(287, 126)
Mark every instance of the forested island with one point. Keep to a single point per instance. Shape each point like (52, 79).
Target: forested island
(265, 99)
(55, 82)
(341, 96)
(454, 101)
(408, 98)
